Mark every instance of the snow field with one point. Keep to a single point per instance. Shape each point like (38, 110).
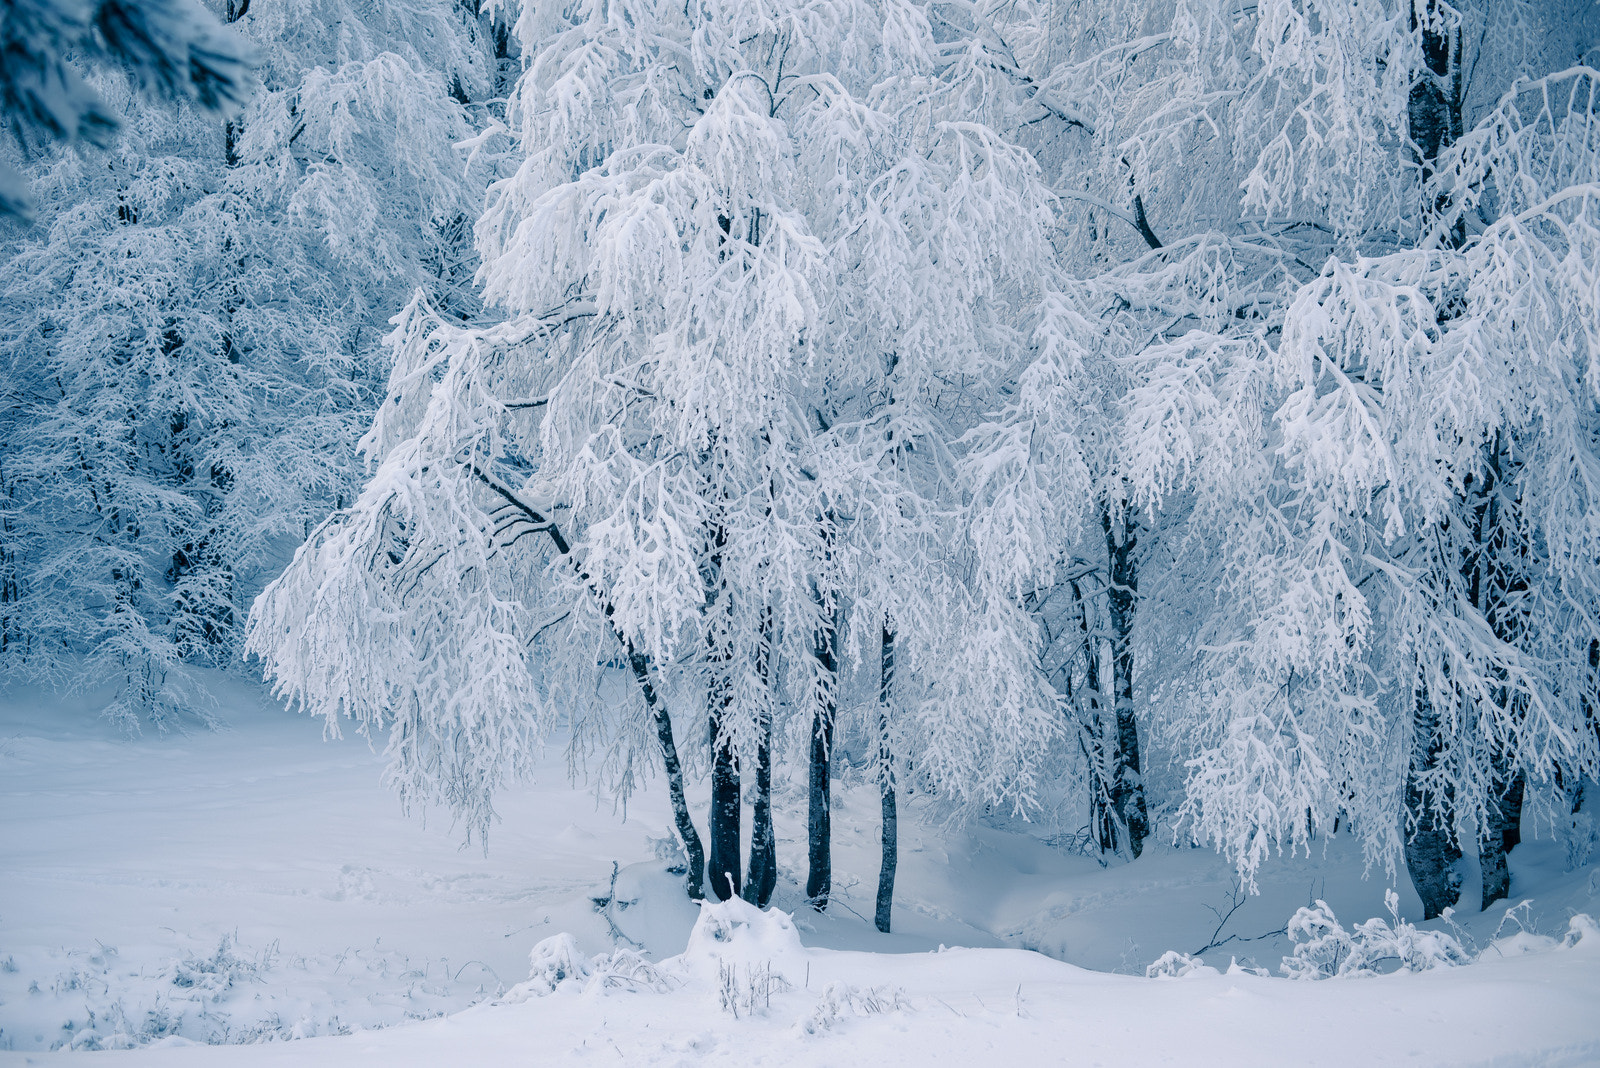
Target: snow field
(258, 884)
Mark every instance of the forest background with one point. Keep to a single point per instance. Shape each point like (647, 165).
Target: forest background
(1184, 409)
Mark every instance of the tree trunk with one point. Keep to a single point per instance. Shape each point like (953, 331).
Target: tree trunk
(688, 837)
(639, 664)
(1501, 835)
(763, 844)
(1433, 122)
(1431, 849)
(1127, 783)
(1433, 110)
(723, 872)
(891, 822)
(1493, 569)
(819, 878)
(1092, 740)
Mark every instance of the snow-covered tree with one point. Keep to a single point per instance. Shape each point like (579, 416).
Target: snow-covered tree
(1300, 243)
(193, 333)
(175, 48)
(754, 269)
(1329, 570)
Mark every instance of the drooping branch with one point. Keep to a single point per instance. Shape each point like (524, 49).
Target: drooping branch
(639, 665)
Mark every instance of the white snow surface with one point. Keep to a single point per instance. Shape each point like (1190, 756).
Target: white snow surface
(252, 895)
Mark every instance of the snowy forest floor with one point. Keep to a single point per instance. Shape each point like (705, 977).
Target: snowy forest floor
(256, 883)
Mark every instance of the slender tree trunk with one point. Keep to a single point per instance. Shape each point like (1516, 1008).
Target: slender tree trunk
(1492, 570)
(723, 871)
(693, 851)
(819, 833)
(1127, 783)
(723, 874)
(639, 664)
(1431, 849)
(891, 820)
(763, 844)
(1572, 782)
(10, 591)
(1433, 109)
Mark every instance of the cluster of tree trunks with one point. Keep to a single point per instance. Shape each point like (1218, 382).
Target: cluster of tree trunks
(1487, 571)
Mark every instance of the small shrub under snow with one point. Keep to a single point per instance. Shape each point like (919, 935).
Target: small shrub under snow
(1175, 965)
(1324, 949)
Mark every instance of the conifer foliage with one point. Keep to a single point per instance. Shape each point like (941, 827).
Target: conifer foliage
(193, 325)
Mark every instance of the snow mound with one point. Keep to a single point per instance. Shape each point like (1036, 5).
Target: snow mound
(736, 932)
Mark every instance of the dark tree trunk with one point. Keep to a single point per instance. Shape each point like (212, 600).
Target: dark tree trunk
(694, 853)
(1571, 782)
(891, 821)
(723, 870)
(1433, 111)
(763, 843)
(1092, 740)
(639, 664)
(1502, 836)
(819, 878)
(1431, 849)
(1493, 570)
(1127, 783)
(10, 590)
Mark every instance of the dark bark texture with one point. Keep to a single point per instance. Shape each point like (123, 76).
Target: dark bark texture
(819, 831)
(1431, 849)
(1092, 740)
(694, 853)
(1127, 783)
(763, 878)
(723, 870)
(891, 822)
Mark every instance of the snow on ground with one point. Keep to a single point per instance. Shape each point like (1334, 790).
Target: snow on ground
(258, 883)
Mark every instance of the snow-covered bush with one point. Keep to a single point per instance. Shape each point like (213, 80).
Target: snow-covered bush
(1175, 965)
(552, 962)
(213, 976)
(1328, 950)
(558, 963)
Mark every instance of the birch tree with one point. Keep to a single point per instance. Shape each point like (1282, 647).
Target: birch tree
(726, 224)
